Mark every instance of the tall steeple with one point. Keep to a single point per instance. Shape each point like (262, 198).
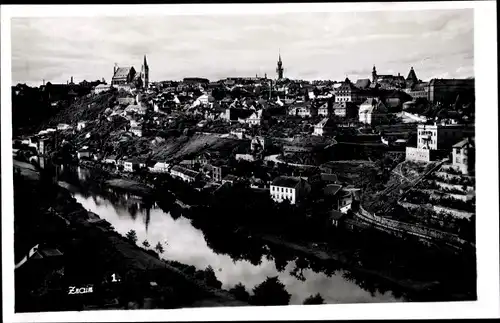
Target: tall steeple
(374, 74)
(145, 73)
(412, 79)
(279, 69)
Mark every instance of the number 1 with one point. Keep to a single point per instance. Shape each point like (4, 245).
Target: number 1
(113, 278)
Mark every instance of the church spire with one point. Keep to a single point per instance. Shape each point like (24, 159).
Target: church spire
(279, 69)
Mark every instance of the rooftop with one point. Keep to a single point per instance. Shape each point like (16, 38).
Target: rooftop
(286, 181)
(335, 215)
(332, 189)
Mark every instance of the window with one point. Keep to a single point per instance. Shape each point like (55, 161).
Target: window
(282, 190)
(457, 160)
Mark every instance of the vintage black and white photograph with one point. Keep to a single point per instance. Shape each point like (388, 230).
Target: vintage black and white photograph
(218, 160)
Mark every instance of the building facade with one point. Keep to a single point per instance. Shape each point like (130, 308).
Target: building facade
(464, 156)
(438, 136)
(292, 189)
(324, 127)
(447, 90)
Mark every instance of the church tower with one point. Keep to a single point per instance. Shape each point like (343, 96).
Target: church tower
(374, 75)
(145, 73)
(279, 69)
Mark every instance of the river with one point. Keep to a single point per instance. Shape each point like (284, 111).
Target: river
(186, 244)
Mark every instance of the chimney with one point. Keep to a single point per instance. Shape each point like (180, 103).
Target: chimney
(72, 80)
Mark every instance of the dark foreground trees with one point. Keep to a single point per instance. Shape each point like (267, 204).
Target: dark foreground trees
(314, 299)
(270, 292)
(240, 293)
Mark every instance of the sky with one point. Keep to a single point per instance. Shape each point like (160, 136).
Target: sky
(437, 43)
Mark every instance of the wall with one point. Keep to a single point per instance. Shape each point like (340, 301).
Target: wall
(417, 154)
(416, 230)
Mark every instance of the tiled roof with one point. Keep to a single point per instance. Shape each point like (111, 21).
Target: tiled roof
(185, 171)
(285, 181)
(325, 122)
(328, 177)
(332, 189)
(122, 72)
(363, 83)
(462, 143)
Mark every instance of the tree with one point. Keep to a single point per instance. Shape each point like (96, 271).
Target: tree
(240, 293)
(270, 292)
(132, 236)
(210, 278)
(314, 299)
(159, 248)
(146, 244)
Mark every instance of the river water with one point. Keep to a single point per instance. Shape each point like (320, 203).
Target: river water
(185, 243)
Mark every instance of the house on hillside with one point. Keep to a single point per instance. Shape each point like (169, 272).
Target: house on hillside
(292, 189)
(303, 110)
(336, 217)
(185, 174)
(80, 125)
(133, 164)
(324, 110)
(101, 88)
(137, 131)
(345, 110)
(372, 112)
(324, 127)
(159, 167)
(464, 156)
(230, 179)
(235, 114)
(83, 153)
(63, 126)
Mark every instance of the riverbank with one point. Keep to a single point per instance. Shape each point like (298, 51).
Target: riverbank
(142, 274)
(130, 185)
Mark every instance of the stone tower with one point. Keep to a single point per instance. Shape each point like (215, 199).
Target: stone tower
(279, 69)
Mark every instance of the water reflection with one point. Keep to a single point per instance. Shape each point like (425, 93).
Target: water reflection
(234, 257)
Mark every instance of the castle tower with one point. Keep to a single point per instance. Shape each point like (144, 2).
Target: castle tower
(374, 75)
(279, 69)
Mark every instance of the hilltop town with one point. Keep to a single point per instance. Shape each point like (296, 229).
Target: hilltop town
(390, 153)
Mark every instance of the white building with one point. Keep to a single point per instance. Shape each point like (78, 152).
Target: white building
(323, 110)
(101, 88)
(80, 125)
(463, 156)
(254, 119)
(83, 153)
(63, 126)
(137, 131)
(289, 188)
(440, 136)
(324, 127)
(186, 174)
(372, 111)
(160, 167)
(128, 166)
